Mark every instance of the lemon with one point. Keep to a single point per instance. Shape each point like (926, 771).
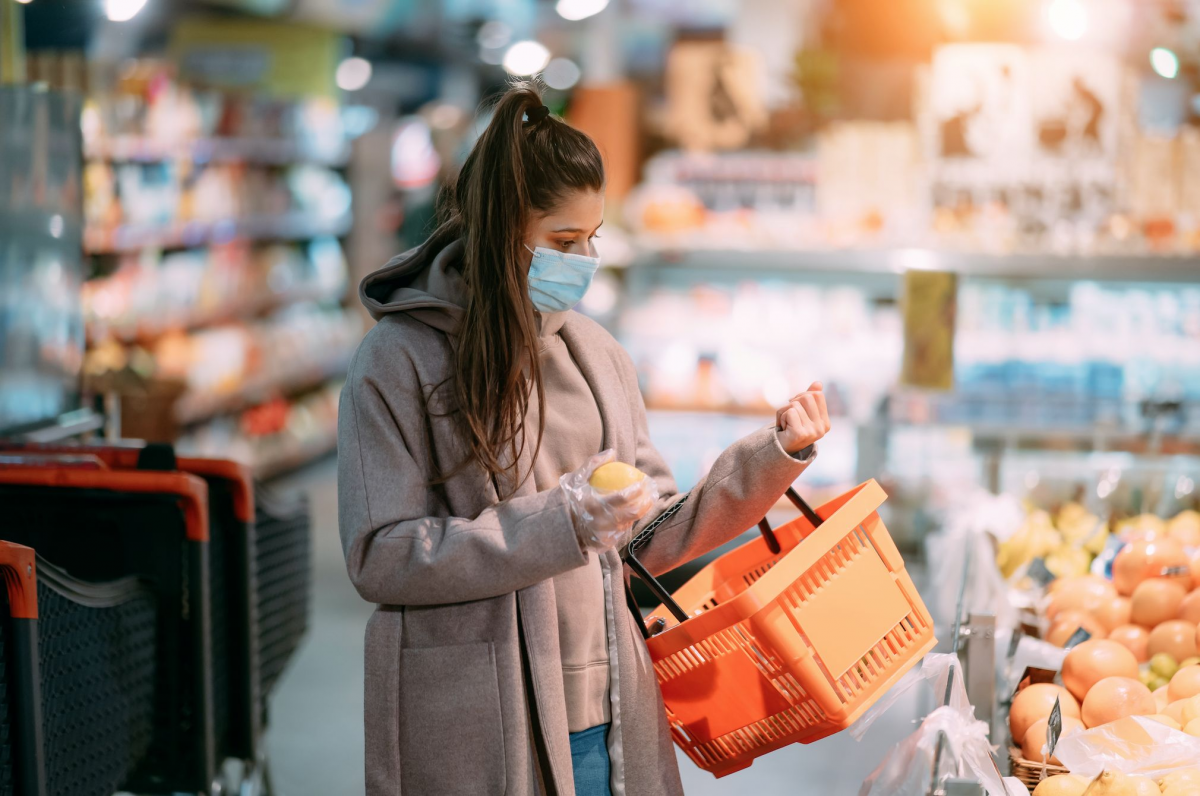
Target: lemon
(1061, 785)
(615, 476)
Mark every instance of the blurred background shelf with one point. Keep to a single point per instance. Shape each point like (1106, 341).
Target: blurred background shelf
(259, 151)
(195, 408)
(288, 226)
(892, 263)
(149, 329)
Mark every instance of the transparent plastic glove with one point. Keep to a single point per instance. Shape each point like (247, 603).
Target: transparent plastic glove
(604, 519)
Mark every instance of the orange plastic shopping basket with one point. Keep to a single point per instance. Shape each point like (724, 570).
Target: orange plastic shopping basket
(788, 638)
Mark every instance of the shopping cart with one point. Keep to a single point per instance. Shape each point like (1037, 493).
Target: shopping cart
(260, 572)
(788, 638)
(103, 526)
(78, 684)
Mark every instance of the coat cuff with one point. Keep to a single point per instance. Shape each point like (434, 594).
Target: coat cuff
(804, 456)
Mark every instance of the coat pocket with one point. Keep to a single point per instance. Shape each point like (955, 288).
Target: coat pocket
(451, 735)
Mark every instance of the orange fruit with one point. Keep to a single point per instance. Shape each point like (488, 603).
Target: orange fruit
(1185, 683)
(1035, 738)
(1134, 638)
(1035, 702)
(1176, 638)
(1067, 622)
(1092, 661)
(1114, 698)
(1156, 600)
(1189, 609)
(1085, 594)
(1113, 612)
(1140, 560)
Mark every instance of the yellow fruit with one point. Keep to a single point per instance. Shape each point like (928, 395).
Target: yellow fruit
(1190, 710)
(1142, 786)
(1184, 776)
(1069, 562)
(1061, 785)
(1162, 718)
(615, 476)
(1185, 789)
(1112, 783)
(1193, 727)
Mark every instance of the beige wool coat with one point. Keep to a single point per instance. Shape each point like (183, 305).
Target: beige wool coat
(464, 686)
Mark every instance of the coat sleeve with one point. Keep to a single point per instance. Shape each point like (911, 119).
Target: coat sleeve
(741, 486)
(398, 550)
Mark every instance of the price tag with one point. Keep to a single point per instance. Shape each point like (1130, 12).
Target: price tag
(1053, 729)
(1077, 638)
(1038, 573)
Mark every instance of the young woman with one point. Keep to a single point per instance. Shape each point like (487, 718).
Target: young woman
(503, 657)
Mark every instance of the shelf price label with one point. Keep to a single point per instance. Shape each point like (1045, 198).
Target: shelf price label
(930, 308)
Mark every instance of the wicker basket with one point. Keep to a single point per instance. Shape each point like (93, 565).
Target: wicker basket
(1029, 772)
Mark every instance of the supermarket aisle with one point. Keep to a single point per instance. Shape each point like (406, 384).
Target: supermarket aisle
(315, 740)
(316, 735)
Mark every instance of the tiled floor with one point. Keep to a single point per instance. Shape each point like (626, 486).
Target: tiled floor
(315, 740)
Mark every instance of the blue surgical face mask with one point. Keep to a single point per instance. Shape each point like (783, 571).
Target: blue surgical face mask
(557, 280)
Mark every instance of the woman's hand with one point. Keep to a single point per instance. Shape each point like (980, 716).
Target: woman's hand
(604, 518)
(804, 420)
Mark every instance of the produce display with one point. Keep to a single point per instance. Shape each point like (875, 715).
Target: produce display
(1123, 597)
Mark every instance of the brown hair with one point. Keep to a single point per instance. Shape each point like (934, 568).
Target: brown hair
(526, 161)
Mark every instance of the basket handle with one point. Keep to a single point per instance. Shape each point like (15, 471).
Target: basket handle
(662, 595)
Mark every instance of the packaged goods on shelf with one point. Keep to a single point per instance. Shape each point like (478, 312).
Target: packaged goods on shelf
(151, 293)
(741, 348)
(148, 115)
(1033, 150)
(169, 204)
(272, 437)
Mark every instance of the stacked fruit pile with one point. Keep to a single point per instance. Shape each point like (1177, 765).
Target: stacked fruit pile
(1185, 782)
(1140, 656)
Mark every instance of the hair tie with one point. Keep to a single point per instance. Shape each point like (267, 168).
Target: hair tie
(535, 115)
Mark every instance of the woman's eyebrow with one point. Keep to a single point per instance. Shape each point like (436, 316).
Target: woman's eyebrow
(574, 229)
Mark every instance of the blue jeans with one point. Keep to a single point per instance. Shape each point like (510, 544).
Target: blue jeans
(589, 758)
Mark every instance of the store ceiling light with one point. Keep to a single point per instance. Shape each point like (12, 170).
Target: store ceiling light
(353, 73)
(122, 10)
(24, 2)
(526, 58)
(579, 9)
(561, 73)
(1068, 18)
(1164, 62)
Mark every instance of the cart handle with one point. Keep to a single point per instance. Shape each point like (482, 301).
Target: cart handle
(661, 594)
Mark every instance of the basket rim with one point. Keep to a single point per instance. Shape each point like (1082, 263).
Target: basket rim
(862, 501)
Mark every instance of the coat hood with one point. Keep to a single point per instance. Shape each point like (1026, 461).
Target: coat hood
(427, 284)
(424, 283)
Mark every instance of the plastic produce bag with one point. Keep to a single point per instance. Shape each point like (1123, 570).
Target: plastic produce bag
(907, 770)
(603, 519)
(1133, 745)
(968, 530)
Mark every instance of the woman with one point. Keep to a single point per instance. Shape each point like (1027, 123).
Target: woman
(503, 657)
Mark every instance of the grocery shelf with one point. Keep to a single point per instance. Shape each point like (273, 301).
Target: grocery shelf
(146, 330)
(180, 235)
(1105, 267)
(295, 458)
(194, 408)
(262, 151)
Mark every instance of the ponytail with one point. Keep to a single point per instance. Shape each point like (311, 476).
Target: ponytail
(525, 162)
